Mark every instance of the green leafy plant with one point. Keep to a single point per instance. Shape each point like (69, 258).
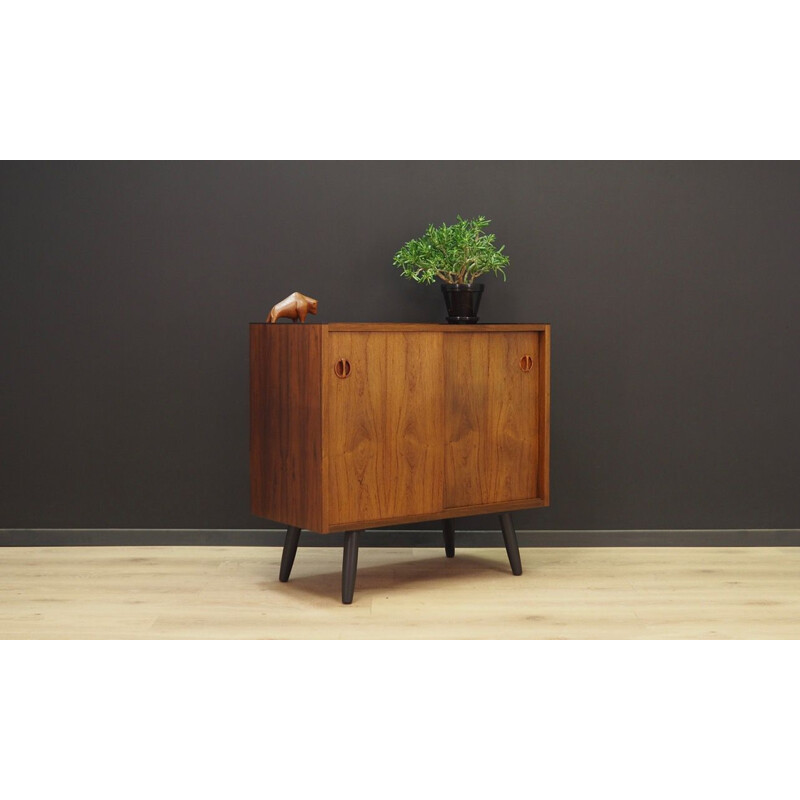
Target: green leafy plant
(456, 253)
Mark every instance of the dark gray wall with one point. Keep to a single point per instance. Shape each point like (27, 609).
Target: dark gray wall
(126, 290)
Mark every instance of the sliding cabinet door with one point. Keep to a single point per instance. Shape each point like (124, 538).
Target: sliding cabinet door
(491, 417)
(384, 426)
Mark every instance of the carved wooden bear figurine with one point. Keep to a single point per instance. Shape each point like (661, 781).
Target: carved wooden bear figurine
(294, 307)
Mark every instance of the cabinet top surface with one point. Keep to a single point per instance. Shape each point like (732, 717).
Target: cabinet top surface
(442, 327)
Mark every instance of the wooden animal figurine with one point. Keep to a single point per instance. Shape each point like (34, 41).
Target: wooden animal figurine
(294, 307)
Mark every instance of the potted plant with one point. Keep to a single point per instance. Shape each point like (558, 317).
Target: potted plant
(457, 255)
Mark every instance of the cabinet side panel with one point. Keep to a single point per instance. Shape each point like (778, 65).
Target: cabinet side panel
(492, 422)
(286, 424)
(544, 415)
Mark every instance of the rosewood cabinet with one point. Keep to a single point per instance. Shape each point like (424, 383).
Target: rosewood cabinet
(356, 426)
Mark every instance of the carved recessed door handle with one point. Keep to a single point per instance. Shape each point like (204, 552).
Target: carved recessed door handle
(526, 363)
(342, 368)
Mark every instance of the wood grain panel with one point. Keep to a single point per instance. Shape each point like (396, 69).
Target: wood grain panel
(432, 327)
(286, 424)
(543, 489)
(444, 513)
(384, 427)
(491, 418)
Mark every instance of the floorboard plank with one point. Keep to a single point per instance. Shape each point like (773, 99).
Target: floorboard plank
(215, 592)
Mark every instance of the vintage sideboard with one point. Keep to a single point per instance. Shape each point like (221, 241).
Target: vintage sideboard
(362, 425)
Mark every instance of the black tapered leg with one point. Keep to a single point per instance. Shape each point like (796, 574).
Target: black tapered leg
(512, 547)
(449, 531)
(349, 564)
(289, 551)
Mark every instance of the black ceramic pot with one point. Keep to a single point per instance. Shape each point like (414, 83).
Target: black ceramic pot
(462, 302)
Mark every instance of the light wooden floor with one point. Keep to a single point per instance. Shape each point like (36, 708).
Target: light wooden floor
(233, 593)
